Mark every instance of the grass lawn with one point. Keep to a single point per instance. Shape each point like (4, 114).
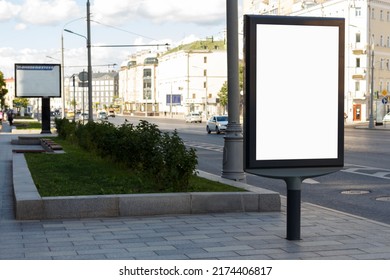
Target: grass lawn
(78, 172)
(27, 124)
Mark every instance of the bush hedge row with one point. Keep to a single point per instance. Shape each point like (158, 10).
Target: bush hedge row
(162, 157)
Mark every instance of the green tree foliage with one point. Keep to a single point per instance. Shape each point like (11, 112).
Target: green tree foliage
(223, 92)
(3, 90)
(20, 102)
(160, 156)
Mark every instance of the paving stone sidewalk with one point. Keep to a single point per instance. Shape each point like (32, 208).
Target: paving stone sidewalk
(326, 234)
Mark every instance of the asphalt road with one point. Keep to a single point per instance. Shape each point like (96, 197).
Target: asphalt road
(362, 188)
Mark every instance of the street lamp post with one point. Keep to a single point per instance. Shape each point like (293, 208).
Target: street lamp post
(63, 65)
(233, 163)
(371, 118)
(90, 113)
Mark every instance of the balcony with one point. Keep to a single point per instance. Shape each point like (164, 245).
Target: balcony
(358, 49)
(359, 74)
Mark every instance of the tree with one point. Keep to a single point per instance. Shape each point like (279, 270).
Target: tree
(223, 96)
(20, 102)
(223, 92)
(3, 90)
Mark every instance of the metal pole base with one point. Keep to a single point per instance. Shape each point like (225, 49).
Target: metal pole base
(233, 154)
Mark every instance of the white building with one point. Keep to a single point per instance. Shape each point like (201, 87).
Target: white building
(137, 84)
(182, 80)
(367, 23)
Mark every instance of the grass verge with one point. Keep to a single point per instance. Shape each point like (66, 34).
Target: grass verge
(27, 124)
(77, 172)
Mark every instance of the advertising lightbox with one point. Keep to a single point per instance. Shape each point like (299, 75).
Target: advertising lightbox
(294, 92)
(37, 80)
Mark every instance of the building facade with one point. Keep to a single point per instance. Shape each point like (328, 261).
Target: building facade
(367, 47)
(104, 92)
(175, 83)
(137, 84)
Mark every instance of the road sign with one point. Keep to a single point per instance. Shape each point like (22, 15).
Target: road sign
(384, 92)
(384, 100)
(83, 76)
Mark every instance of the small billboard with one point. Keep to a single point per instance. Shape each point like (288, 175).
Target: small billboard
(37, 80)
(294, 92)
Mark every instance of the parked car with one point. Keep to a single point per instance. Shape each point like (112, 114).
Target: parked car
(102, 116)
(83, 117)
(386, 118)
(193, 117)
(111, 113)
(217, 124)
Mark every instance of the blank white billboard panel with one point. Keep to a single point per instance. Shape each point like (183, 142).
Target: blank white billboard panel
(37, 80)
(297, 91)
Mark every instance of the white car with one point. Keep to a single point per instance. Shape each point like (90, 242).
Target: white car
(102, 115)
(386, 118)
(217, 124)
(194, 117)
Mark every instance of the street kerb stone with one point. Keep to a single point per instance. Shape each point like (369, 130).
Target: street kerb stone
(30, 205)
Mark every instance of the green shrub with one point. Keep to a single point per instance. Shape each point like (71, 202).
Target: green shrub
(142, 148)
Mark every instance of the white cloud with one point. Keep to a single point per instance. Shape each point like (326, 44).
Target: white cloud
(196, 11)
(20, 26)
(189, 11)
(48, 12)
(8, 10)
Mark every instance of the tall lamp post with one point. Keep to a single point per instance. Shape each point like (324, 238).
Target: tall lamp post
(371, 118)
(233, 165)
(89, 70)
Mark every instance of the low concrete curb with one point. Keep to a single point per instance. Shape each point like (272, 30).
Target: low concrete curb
(31, 206)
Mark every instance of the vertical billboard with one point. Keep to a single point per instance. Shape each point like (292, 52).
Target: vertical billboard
(37, 80)
(294, 92)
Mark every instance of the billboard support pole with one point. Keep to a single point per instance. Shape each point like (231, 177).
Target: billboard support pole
(293, 208)
(45, 115)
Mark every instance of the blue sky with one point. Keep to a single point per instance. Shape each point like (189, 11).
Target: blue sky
(31, 29)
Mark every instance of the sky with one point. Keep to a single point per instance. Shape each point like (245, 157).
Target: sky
(31, 30)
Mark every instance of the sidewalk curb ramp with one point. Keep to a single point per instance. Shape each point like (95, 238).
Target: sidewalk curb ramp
(29, 205)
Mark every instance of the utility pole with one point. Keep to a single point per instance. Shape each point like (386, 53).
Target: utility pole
(90, 112)
(234, 142)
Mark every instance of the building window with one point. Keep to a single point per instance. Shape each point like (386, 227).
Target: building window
(204, 84)
(373, 13)
(357, 37)
(358, 11)
(381, 14)
(388, 41)
(357, 62)
(387, 64)
(388, 16)
(357, 86)
(205, 72)
(381, 42)
(205, 59)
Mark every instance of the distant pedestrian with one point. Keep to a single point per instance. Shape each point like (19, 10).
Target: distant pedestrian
(10, 116)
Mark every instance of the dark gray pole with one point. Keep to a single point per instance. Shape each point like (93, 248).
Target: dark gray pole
(90, 112)
(233, 146)
(371, 117)
(293, 207)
